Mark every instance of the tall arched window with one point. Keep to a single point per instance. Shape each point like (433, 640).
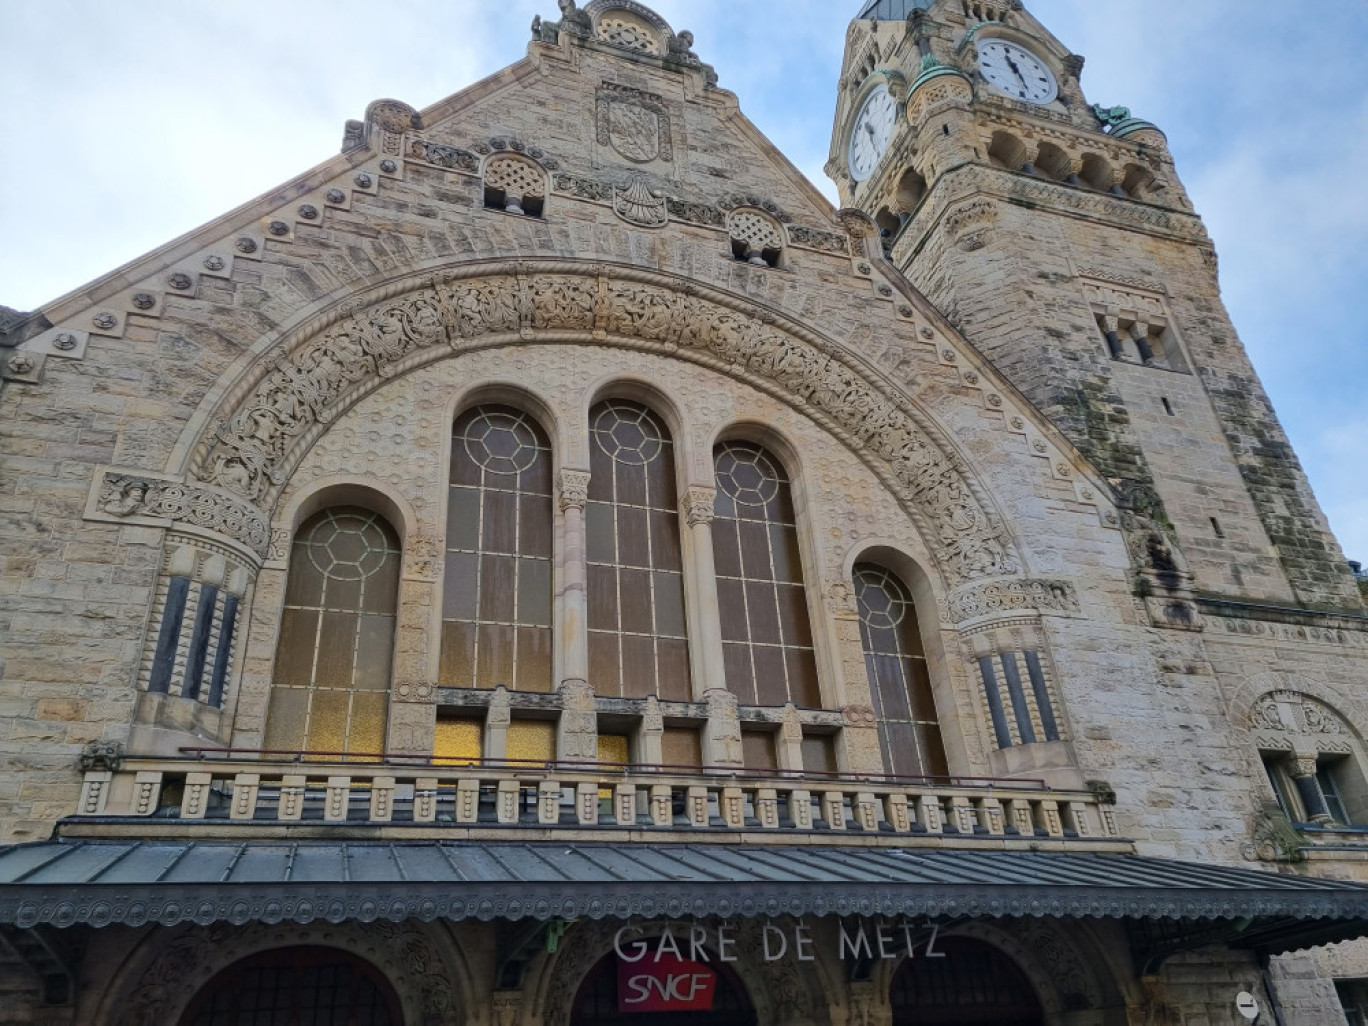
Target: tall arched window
(637, 640)
(766, 633)
(332, 674)
(496, 608)
(898, 681)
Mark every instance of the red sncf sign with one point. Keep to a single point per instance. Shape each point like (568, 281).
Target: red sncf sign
(665, 984)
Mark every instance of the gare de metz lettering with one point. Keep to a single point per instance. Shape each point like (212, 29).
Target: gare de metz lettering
(869, 940)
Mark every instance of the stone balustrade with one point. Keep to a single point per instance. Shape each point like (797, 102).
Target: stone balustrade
(169, 797)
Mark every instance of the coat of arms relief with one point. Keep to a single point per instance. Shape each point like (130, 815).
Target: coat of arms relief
(634, 123)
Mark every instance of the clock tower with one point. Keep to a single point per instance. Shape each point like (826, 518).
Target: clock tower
(1056, 234)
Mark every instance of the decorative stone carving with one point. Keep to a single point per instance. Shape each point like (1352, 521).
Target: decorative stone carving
(815, 238)
(146, 301)
(423, 556)
(130, 495)
(969, 224)
(699, 503)
(1272, 837)
(393, 116)
(101, 755)
(214, 263)
(858, 224)
(444, 156)
(584, 188)
(1011, 596)
(179, 280)
(629, 33)
(635, 123)
(756, 232)
(516, 177)
(572, 490)
(254, 447)
(104, 320)
(640, 205)
(416, 692)
(695, 213)
(66, 341)
(575, 21)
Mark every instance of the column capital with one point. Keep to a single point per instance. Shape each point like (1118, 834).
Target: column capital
(698, 503)
(572, 489)
(1303, 765)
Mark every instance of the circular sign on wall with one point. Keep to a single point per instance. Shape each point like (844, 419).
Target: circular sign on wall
(1246, 1005)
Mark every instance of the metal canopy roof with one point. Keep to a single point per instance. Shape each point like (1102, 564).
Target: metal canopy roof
(64, 883)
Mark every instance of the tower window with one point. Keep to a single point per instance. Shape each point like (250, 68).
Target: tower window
(1168, 406)
(1216, 526)
(514, 186)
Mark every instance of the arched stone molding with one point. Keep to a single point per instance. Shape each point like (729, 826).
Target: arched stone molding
(281, 405)
(164, 972)
(1241, 706)
(691, 468)
(343, 490)
(565, 432)
(780, 991)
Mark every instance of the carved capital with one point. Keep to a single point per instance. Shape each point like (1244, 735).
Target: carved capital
(572, 490)
(859, 224)
(698, 505)
(1303, 765)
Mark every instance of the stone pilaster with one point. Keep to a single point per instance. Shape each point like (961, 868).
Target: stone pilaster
(705, 624)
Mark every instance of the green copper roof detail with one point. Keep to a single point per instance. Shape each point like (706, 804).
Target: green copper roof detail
(892, 10)
(1132, 125)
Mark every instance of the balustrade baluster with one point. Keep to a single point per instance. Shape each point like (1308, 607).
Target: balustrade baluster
(291, 804)
(382, 799)
(195, 798)
(246, 787)
(895, 812)
(767, 808)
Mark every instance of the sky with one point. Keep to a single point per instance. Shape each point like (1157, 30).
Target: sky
(130, 123)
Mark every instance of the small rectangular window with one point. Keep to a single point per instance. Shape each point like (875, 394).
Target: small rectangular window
(1216, 526)
(1334, 802)
(1168, 406)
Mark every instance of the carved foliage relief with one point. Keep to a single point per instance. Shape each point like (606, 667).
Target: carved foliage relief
(258, 443)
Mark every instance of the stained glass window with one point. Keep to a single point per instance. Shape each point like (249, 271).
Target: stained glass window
(496, 610)
(332, 674)
(637, 640)
(898, 680)
(766, 633)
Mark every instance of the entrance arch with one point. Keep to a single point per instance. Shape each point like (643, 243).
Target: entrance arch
(974, 983)
(596, 1001)
(320, 986)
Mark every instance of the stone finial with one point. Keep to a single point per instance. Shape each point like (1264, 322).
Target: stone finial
(575, 21)
(1073, 64)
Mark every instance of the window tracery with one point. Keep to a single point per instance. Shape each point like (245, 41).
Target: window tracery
(496, 613)
(766, 632)
(899, 683)
(333, 659)
(515, 186)
(755, 238)
(637, 639)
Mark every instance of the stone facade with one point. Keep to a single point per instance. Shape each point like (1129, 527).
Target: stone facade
(601, 221)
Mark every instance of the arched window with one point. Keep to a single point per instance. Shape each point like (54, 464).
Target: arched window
(496, 608)
(318, 986)
(332, 673)
(637, 641)
(766, 633)
(898, 681)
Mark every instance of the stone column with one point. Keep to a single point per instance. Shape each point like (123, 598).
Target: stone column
(413, 695)
(705, 625)
(572, 629)
(1309, 789)
(1140, 332)
(1112, 330)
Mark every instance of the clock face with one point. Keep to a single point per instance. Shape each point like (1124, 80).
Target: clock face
(872, 132)
(1016, 72)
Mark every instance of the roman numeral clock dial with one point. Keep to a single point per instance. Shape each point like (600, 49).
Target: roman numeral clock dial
(873, 129)
(1016, 71)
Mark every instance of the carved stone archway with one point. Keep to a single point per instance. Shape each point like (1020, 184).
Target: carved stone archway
(287, 398)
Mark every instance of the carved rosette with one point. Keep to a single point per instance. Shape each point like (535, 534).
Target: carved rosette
(264, 433)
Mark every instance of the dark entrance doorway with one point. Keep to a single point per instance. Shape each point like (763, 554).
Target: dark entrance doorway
(973, 983)
(289, 986)
(596, 1004)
